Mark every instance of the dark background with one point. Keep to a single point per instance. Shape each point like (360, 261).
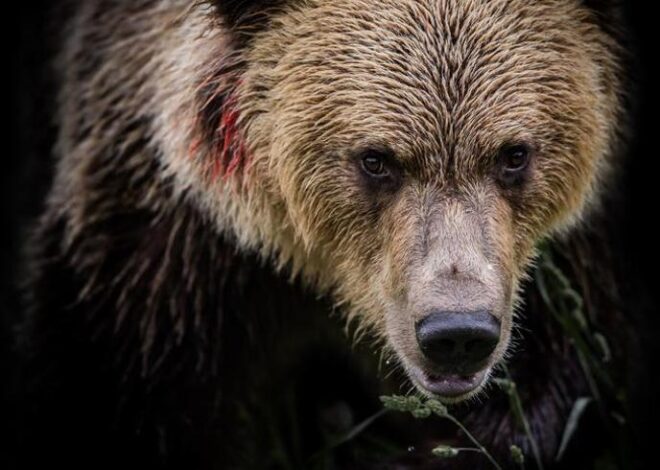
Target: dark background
(30, 41)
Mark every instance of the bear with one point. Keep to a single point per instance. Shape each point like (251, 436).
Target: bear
(229, 173)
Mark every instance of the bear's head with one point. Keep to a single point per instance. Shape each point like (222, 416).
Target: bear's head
(405, 156)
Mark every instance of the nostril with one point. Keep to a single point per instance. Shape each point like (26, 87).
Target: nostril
(473, 345)
(445, 346)
(458, 339)
(479, 349)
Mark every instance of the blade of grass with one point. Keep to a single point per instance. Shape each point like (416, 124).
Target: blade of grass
(577, 411)
(519, 413)
(350, 435)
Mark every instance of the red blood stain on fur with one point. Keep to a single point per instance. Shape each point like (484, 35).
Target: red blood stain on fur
(229, 155)
(219, 136)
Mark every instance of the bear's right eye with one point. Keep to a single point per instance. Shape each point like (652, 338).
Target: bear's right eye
(374, 164)
(379, 168)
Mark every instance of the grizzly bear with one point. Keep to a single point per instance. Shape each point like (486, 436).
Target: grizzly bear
(231, 174)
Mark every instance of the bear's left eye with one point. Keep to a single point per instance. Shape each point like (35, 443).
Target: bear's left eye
(374, 164)
(513, 160)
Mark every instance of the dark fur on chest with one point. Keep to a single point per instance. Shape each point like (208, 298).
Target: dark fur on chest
(149, 335)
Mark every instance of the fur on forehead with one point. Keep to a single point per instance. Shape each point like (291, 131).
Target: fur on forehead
(419, 57)
(402, 47)
(237, 13)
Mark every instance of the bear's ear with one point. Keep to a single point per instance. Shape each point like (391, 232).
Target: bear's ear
(609, 14)
(605, 8)
(602, 5)
(247, 15)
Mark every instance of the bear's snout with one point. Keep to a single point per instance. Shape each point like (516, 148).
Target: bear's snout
(458, 342)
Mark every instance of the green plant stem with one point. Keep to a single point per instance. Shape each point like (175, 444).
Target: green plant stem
(518, 410)
(468, 449)
(474, 440)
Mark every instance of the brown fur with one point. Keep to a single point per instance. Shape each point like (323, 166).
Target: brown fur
(208, 149)
(441, 83)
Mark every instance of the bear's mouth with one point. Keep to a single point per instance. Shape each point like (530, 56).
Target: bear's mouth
(450, 387)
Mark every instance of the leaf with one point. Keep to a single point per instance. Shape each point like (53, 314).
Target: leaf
(395, 403)
(436, 407)
(517, 455)
(604, 346)
(445, 452)
(422, 412)
(577, 411)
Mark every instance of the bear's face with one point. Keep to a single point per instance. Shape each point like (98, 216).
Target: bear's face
(418, 150)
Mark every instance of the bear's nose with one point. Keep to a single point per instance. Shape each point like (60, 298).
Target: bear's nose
(458, 340)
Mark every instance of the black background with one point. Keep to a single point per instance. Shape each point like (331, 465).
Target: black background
(26, 169)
